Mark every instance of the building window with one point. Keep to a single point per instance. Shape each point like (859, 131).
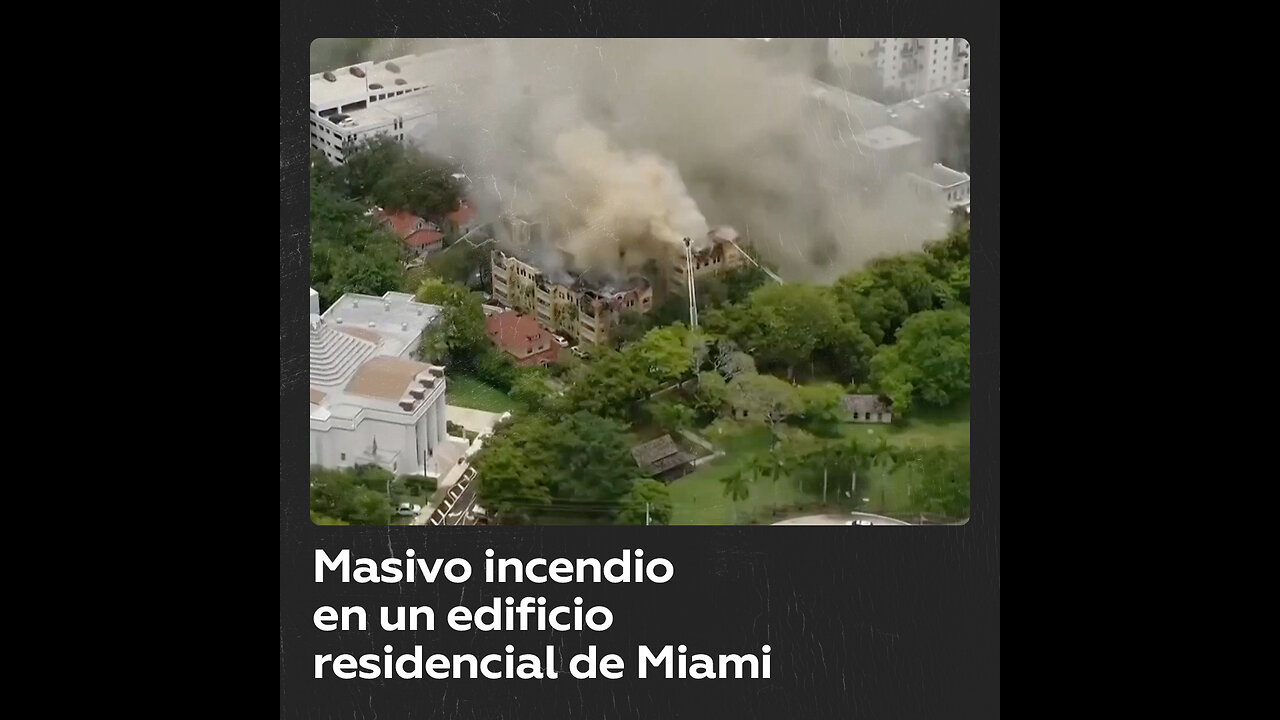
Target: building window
(343, 456)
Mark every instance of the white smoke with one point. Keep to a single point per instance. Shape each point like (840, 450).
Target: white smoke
(630, 145)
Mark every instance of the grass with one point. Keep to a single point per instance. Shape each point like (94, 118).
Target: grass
(470, 392)
(699, 499)
(926, 426)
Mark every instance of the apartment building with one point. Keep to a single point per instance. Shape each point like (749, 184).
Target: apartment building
(569, 303)
(718, 255)
(907, 67)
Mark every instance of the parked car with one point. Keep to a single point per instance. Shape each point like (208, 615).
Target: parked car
(408, 510)
(560, 341)
(861, 523)
(576, 350)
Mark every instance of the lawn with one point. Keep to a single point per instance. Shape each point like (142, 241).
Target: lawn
(926, 426)
(699, 499)
(470, 392)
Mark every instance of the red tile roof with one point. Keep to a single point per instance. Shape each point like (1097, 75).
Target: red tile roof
(463, 215)
(521, 336)
(402, 223)
(422, 238)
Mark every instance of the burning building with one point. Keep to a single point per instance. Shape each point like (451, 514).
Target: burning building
(576, 294)
(566, 301)
(719, 254)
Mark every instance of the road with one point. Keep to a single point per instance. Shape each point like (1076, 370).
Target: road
(454, 507)
(457, 514)
(835, 519)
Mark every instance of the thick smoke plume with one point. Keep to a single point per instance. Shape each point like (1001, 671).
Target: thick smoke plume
(624, 146)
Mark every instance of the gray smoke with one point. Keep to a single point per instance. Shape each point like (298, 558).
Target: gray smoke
(629, 145)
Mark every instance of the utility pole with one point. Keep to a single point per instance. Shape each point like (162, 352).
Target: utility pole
(824, 484)
(646, 513)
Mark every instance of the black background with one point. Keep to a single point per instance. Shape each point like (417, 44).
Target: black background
(891, 623)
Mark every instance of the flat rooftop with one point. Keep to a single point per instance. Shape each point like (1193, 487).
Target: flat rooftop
(866, 110)
(945, 176)
(439, 69)
(383, 112)
(396, 318)
(886, 137)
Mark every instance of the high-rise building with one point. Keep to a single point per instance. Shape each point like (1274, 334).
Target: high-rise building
(905, 67)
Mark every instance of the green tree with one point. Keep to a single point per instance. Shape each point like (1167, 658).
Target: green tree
(729, 361)
(736, 488)
(610, 384)
(534, 388)
(740, 282)
(672, 416)
(764, 398)
(780, 325)
(399, 177)
(711, 393)
(645, 496)
(349, 252)
(531, 464)
(667, 354)
(822, 403)
(516, 469)
(463, 264)
(631, 326)
(594, 455)
(319, 519)
(799, 455)
(458, 336)
(940, 480)
(357, 496)
(494, 367)
(930, 361)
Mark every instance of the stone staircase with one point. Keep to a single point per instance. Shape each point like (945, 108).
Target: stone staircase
(336, 355)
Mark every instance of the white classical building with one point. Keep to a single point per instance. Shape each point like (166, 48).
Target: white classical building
(372, 402)
(910, 66)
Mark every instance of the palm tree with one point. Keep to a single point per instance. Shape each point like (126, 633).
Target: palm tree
(768, 466)
(735, 488)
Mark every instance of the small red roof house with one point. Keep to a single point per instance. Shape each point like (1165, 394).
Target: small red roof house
(424, 242)
(419, 235)
(402, 223)
(464, 218)
(522, 337)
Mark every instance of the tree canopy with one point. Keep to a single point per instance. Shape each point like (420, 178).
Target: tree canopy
(646, 499)
(536, 466)
(349, 252)
(930, 361)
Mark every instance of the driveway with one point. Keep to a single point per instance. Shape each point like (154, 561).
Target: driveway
(832, 519)
(474, 420)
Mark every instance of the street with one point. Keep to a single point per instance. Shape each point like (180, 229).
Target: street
(456, 505)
